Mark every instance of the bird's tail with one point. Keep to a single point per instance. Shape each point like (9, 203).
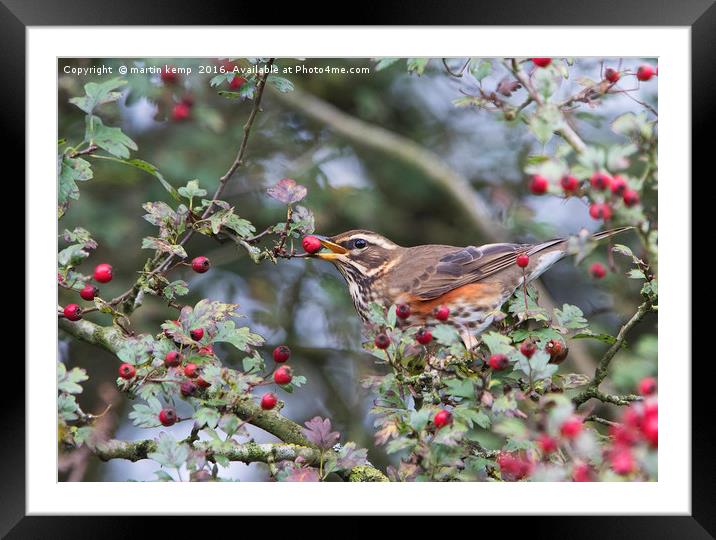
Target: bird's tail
(611, 232)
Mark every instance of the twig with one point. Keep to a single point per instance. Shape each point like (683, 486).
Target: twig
(592, 389)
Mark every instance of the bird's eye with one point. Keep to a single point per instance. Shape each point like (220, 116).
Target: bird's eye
(359, 243)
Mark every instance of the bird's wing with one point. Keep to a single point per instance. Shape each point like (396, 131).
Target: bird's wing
(456, 267)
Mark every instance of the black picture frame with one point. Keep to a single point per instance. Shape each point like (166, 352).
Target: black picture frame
(699, 15)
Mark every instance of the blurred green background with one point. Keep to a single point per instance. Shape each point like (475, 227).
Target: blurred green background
(304, 304)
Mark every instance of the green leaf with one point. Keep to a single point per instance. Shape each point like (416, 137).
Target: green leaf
(146, 415)
(227, 218)
(80, 236)
(419, 419)
(72, 256)
(192, 189)
(98, 94)
(570, 317)
(71, 170)
(497, 343)
(280, 83)
(481, 70)
(460, 388)
(241, 338)
(110, 139)
(546, 120)
(417, 65)
(445, 334)
(588, 334)
(158, 244)
(175, 288)
(206, 416)
(146, 167)
(470, 417)
(137, 351)
(169, 452)
(384, 63)
(253, 363)
(67, 407)
(68, 381)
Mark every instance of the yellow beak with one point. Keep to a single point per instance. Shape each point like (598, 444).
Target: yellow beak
(336, 250)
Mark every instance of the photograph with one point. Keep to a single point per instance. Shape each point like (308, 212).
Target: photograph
(357, 269)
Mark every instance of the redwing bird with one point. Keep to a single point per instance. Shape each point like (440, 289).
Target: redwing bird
(473, 282)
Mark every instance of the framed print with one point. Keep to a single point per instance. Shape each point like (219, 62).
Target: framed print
(366, 270)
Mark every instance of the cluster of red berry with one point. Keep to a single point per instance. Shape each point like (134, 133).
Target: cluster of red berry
(182, 110)
(102, 274)
(644, 72)
(282, 376)
(599, 181)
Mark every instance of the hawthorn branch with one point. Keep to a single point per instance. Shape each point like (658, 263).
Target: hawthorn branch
(249, 452)
(592, 389)
(286, 430)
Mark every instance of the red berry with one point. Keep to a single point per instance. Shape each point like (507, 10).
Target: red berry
(647, 386)
(442, 418)
(600, 181)
(541, 62)
(268, 401)
(311, 244)
(528, 348)
(424, 336)
(650, 430)
(569, 184)
(201, 382)
(180, 112)
(196, 334)
(622, 461)
(539, 184)
(600, 211)
(168, 417)
(281, 354)
(236, 82)
(382, 341)
(402, 311)
(103, 273)
(191, 371)
(618, 185)
(200, 264)
(187, 388)
(523, 260)
(622, 435)
(582, 473)
(547, 443)
(597, 270)
(169, 74)
(282, 375)
(127, 371)
(498, 362)
(612, 75)
(554, 348)
(206, 350)
(442, 313)
(72, 312)
(630, 197)
(88, 292)
(645, 72)
(572, 427)
(172, 359)
(513, 466)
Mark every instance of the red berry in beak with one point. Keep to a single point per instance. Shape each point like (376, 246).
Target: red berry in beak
(311, 244)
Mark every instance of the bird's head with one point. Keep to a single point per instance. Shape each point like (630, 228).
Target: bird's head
(364, 252)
